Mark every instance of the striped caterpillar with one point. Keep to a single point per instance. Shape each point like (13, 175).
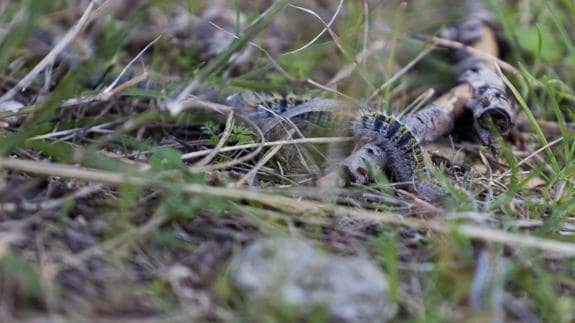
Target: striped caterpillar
(265, 104)
(400, 153)
(262, 107)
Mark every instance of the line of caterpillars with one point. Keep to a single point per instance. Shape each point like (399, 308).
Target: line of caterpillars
(405, 152)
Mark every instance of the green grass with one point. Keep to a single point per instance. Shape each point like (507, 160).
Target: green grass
(109, 253)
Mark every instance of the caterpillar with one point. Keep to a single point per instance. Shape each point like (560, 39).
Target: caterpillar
(273, 102)
(261, 106)
(404, 155)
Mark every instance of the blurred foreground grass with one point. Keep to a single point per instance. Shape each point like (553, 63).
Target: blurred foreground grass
(100, 241)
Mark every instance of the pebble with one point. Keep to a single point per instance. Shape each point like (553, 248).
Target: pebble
(292, 272)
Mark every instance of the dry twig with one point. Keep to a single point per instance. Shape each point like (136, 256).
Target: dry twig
(299, 206)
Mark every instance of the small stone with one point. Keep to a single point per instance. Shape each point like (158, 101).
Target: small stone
(11, 106)
(290, 271)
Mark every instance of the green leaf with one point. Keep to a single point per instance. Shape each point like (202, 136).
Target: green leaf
(23, 272)
(540, 41)
(166, 158)
(242, 135)
(210, 128)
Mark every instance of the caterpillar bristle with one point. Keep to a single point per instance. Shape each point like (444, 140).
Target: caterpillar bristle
(381, 121)
(393, 129)
(405, 138)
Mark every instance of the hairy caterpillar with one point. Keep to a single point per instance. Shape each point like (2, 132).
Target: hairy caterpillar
(403, 154)
(261, 106)
(275, 102)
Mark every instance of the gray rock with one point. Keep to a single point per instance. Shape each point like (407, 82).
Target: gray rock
(292, 272)
(11, 106)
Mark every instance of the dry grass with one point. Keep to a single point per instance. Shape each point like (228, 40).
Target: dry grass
(121, 164)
